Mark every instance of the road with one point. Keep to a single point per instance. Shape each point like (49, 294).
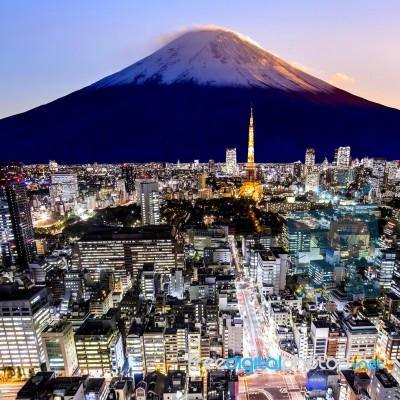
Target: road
(268, 384)
(9, 391)
(271, 386)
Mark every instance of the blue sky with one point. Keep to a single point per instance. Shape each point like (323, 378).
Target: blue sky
(51, 48)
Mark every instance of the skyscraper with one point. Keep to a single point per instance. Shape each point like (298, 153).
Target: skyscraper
(310, 159)
(343, 157)
(150, 203)
(230, 162)
(297, 170)
(23, 316)
(17, 244)
(211, 167)
(59, 348)
(311, 181)
(129, 176)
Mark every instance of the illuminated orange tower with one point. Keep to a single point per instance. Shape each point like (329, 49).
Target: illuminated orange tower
(250, 167)
(250, 188)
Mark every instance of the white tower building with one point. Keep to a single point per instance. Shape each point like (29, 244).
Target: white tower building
(230, 162)
(149, 197)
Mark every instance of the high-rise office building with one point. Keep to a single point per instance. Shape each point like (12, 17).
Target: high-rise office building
(230, 162)
(17, 244)
(154, 348)
(232, 335)
(310, 159)
(176, 286)
(272, 270)
(203, 181)
(384, 386)
(150, 203)
(312, 181)
(148, 282)
(59, 347)
(121, 191)
(297, 170)
(129, 176)
(343, 157)
(99, 347)
(124, 252)
(23, 316)
(361, 339)
(211, 167)
(386, 262)
(134, 348)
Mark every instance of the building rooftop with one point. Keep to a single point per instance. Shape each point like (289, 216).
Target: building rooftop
(95, 385)
(386, 379)
(11, 292)
(320, 323)
(151, 328)
(195, 386)
(34, 384)
(136, 330)
(155, 382)
(120, 233)
(93, 327)
(360, 325)
(65, 386)
(175, 381)
(355, 380)
(57, 327)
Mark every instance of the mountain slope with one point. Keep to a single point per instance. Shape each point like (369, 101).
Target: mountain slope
(215, 57)
(191, 100)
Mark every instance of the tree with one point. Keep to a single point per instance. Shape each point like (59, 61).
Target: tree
(363, 262)
(119, 372)
(8, 372)
(43, 367)
(129, 221)
(130, 372)
(31, 372)
(19, 373)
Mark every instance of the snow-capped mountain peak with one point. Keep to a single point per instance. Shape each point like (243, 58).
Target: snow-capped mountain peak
(215, 57)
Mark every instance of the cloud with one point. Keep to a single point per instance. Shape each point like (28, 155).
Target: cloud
(318, 73)
(302, 67)
(340, 78)
(164, 39)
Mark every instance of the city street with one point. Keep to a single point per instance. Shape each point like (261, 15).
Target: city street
(262, 384)
(271, 385)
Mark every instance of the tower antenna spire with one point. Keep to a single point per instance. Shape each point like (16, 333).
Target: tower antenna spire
(250, 149)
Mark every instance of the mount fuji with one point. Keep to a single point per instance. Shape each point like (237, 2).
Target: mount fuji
(191, 99)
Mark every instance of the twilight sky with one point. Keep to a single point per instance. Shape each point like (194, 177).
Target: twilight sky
(52, 48)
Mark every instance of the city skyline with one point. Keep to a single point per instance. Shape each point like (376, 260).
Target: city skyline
(139, 269)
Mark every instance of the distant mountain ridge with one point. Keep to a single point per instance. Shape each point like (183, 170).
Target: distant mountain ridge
(190, 100)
